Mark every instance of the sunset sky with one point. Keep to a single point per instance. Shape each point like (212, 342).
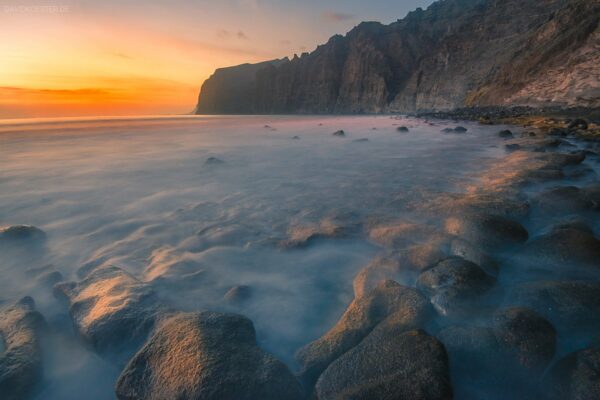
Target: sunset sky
(125, 57)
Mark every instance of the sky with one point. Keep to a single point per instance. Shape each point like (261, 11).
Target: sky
(128, 57)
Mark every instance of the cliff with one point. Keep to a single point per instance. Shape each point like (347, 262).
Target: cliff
(457, 53)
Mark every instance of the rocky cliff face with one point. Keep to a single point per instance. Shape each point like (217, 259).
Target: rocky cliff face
(456, 53)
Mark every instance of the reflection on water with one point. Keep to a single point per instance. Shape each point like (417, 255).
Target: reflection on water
(140, 194)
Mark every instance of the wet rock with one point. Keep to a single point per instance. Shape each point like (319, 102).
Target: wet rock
(362, 140)
(296, 137)
(574, 377)
(389, 365)
(506, 134)
(213, 161)
(21, 233)
(558, 132)
(111, 310)
(208, 356)
(564, 246)
(49, 279)
(485, 230)
(21, 328)
(402, 129)
(464, 249)
(460, 129)
(474, 203)
(402, 306)
(339, 133)
(578, 124)
(300, 236)
(454, 285)
(571, 306)
(512, 147)
(565, 199)
(402, 234)
(527, 337)
(238, 294)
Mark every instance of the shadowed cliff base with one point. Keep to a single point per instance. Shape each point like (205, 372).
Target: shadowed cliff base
(457, 53)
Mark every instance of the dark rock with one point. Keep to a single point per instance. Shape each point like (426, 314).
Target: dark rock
(558, 132)
(208, 356)
(506, 134)
(21, 233)
(454, 285)
(460, 129)
(213, 161)
(21, 328)
(578, 124)
(339, 133)
(571, 306)
(566, 199)
(574, 377)
(402, 306)
(565, 246)
(512, 147)
(488, 231)
(402, 129)
(296, 137)
(464, 249)
(362, 140)
(527, 336)
(389, 365)
(111, 310)
(238, 294)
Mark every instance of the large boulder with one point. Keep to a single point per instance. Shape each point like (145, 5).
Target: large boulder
(566, 199)
(574, 377)
(21, 233)
(205, 355)
(111, 310)
(486, 230)
(565, 246)
(21, 361)
(572, 307)
(389, 365)
(455, 285)
(389, 300)
(464, 249)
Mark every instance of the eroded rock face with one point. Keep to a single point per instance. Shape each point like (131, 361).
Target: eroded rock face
(574, 377)
(389, 365)
(21, 328)
(111, 310)
(205, 355)
(403, 306)
(454, 285)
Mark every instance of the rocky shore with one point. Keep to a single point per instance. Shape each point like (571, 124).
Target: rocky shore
(491, 291)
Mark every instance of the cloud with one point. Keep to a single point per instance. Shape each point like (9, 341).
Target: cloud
(285, 42)
(241, 35)
(337, 16)
(223, 34)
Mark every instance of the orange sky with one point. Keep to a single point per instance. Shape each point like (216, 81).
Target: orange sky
(88, 57)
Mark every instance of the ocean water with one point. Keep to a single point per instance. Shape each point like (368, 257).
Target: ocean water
(223, 195)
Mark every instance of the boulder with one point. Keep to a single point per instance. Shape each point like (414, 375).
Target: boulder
(565, 246)
(388, 301)
(205, 355)
(389, 365)
(574, 377)
(571, 306)
(21, 328)
(487, 231)
(111, 310)
(469, 252)
(339, 133)
(21, 234)
(506, 134)
(566, 199)
(238, 294)
(402, 129)
(402, 234)
(213, 161)
(578, 123)
(454, 285)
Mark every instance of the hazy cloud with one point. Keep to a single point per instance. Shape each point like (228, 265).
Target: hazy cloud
(241, 35)
(225, 34)
(285, 42)
(337, 16)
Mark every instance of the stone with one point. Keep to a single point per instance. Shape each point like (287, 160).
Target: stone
(402, 129)
(578, 123)
(574, 377)
(111, 310)
(403, 305)
(506, 134)
(21, 362)
(339, 133)
(512, 147)
(565, 199)
(213, 161)
(389, 365)
(454, 286)
(469, 252)
(402, 234)
(238, 294)
(205, 355)
(487, 231)
(21, 233)
(571, 306)
(361, 140)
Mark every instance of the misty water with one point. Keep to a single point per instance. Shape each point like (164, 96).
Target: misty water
(220, 195)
